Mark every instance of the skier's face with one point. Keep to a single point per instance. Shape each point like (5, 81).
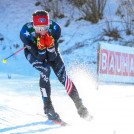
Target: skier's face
(42, 30)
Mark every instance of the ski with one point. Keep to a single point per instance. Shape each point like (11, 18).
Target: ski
(56, 122)
(61, 123)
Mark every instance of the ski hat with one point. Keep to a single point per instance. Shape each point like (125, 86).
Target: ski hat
(40, 20)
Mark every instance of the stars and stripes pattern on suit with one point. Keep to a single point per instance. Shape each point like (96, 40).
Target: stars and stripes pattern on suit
(68, 85)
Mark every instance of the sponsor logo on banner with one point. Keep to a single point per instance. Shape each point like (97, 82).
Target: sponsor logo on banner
(116, 63)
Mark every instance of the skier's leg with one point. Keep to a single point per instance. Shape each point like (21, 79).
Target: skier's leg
(59, 69)
(44, 84)
(44, 70)
(48, 107)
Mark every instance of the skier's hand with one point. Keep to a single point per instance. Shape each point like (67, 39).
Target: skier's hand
(49, 41)
(41, 43)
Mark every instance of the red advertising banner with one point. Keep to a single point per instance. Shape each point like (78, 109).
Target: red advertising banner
(114, 62)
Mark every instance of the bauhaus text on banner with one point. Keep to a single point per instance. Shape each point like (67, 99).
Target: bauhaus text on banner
(116, 62)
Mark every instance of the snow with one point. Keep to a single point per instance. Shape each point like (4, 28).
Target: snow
(21, 107)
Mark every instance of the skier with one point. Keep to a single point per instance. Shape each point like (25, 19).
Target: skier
(41, 40)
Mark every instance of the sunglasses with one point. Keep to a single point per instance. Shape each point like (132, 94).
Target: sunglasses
(40, 28)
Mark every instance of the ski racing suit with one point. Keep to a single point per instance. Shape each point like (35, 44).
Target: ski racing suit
(43, 60)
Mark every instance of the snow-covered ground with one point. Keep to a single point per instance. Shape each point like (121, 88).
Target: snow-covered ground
(21, 106)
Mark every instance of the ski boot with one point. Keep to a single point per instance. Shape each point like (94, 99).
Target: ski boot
(49, 110)
(83, 112)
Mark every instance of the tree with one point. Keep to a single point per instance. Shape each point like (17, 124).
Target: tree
(91, 10)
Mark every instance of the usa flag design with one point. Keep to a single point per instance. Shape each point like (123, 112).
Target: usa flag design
(68, 85)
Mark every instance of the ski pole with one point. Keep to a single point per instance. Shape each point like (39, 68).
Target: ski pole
(4, 60)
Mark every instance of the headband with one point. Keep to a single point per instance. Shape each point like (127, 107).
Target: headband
(40, 20)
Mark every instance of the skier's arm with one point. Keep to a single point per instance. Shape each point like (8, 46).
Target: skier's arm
(32, 47)
(56, 35)
(50, 44)
(52, 51)
(57, 32)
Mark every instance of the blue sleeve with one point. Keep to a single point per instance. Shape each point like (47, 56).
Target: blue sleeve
(56, 31)
(24, 32)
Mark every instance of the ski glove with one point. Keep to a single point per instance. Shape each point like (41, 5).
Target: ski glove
(51, 53)
(41, 43)
(49, 41)
(44, 42)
